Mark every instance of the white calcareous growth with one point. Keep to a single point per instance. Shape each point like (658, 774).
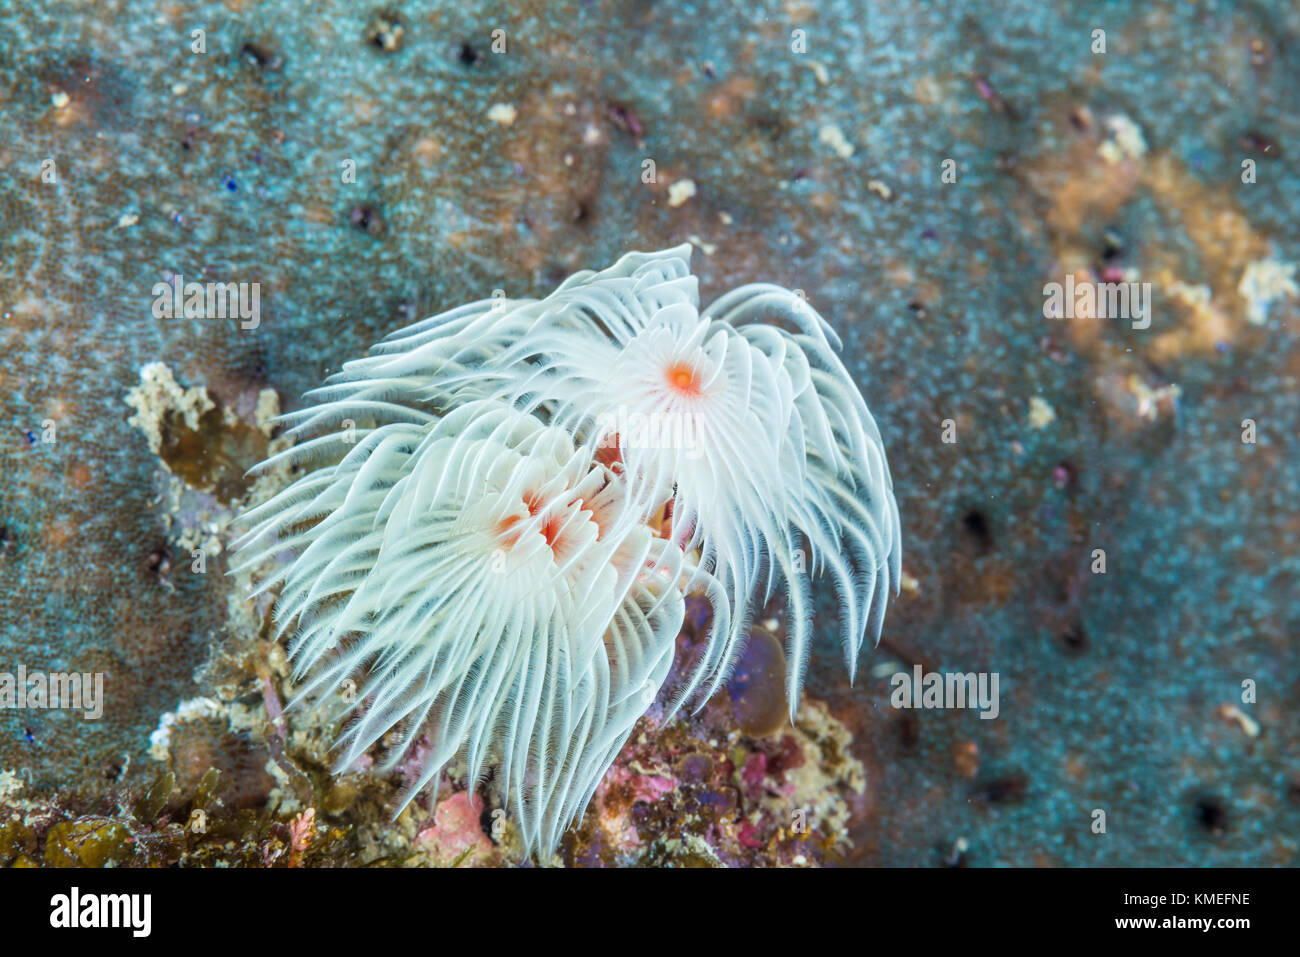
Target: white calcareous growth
(503, 507)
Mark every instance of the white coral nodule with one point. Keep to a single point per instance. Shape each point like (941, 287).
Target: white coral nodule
(506, 504)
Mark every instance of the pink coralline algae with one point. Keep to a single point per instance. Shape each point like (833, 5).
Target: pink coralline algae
(456, 833)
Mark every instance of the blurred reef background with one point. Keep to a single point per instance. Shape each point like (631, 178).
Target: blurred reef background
(804, 143)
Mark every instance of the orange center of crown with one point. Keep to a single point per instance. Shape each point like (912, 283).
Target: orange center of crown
(552, 527)
(683, 379)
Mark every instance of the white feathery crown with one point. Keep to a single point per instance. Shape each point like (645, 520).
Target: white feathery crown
(507, 504)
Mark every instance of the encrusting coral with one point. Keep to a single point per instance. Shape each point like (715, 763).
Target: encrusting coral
(506, 505)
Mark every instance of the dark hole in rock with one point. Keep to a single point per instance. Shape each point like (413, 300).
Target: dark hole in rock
(977, 527)
(467, 55)
(1074, 638)
(259, 56)
(1211, 815)
(1003, 790)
